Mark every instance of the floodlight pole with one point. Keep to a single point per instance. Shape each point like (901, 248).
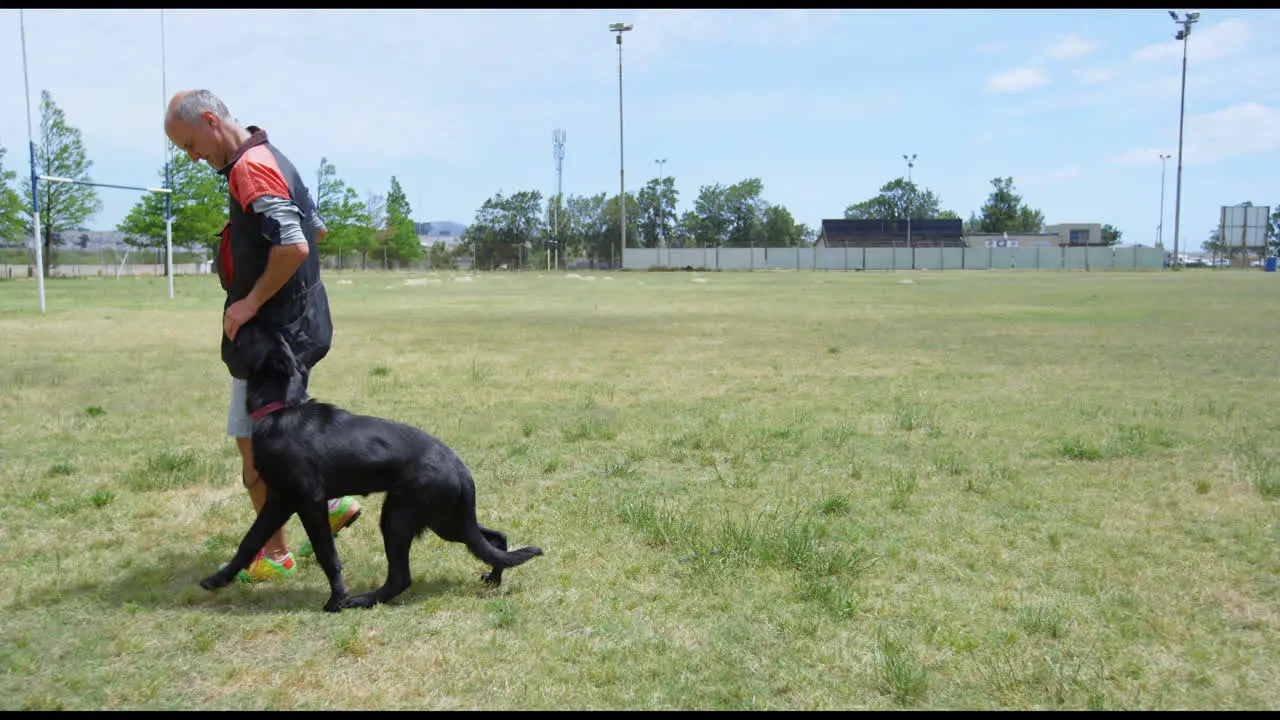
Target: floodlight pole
(661, 210)
(1182, 35)
(1160, 227)
(168, 196)
(622, 177)
(911, 162)
(35, 184)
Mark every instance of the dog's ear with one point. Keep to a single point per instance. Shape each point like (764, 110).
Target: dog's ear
(252, 344)
(279, 360)
(264, 351)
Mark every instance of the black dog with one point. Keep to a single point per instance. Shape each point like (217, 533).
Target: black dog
(308, 452)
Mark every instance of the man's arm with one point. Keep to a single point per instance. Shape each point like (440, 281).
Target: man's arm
(289, 250)
(317, 224)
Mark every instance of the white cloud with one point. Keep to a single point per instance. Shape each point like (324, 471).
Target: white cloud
(1245, 129)
(658, 33)
(763, 104)
(1138, 156)
(1066, 173)
(1019, 80)
(1070, 46)
(1227, 38)
(1092, 76)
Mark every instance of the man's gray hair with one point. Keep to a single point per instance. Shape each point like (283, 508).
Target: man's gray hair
(193, 104)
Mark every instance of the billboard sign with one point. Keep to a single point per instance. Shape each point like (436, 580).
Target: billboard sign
(1244, 226)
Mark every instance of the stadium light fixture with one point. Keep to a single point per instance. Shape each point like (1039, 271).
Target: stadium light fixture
(622, 173)
(1181, 35)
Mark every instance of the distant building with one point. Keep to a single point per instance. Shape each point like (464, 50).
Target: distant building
(429, 233)
(949, 233)
(1077, 233)
(1069, 234)
(890, 233)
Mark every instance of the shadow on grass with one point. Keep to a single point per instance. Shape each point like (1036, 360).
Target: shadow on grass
(172, 580)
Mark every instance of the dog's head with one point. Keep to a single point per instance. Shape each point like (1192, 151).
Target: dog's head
(265, 352)
(275, 373)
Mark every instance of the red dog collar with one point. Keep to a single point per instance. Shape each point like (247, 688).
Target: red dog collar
(267, 409)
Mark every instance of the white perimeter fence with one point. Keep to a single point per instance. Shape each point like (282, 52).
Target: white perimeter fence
(932, 258)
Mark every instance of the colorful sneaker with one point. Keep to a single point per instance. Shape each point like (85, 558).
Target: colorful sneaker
(264, 568)
(341, 516)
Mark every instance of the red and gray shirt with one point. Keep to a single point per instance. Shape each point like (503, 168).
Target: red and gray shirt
(269, 206)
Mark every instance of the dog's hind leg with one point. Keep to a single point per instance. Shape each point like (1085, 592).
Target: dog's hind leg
(401, 521)
(315, 519)
(498, 540)
(272, 517)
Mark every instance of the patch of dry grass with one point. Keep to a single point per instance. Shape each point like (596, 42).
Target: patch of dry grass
(761, 491)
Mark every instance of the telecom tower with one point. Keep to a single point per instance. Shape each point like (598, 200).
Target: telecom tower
(557, 142)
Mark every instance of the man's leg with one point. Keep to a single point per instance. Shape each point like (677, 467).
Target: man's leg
(240, 427)
(275, 547)
(342, 511)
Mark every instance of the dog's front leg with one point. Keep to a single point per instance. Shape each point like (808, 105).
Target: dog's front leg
(273, 516)
(315, 519)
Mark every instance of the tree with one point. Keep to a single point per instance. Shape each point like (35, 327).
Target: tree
(1110, 235)
(11, 210)
(350, 228)
(685, 232)
(896, 198)
(588, 227)
(376, 206)
(1214, 244)
(60, 153)
(439, 256)
(397, 203)
(505, 227)
(744, 206)
(557, 226)
(780, 229)
(657, 201)
(711, 227)
(376, 223)
(1273, 235)
(329, 189)
(613, 222)
(198, 203)
(1004, 211)
(347, 218)
(808, 235)
(398, 241)
(524, 222)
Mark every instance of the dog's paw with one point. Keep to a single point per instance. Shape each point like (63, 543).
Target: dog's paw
(336, 603)
(215, 581)
(360, 601)
(492, 578)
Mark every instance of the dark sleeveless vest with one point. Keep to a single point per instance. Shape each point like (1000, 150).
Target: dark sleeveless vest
(300, 309)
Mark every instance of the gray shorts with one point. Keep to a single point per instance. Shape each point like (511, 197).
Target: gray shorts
(239, 424)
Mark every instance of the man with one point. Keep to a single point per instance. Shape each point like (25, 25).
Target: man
(270, 270)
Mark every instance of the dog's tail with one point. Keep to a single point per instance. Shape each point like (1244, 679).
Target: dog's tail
(479, 545)
(481, 548)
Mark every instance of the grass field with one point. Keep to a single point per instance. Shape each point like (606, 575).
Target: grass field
(755, 491)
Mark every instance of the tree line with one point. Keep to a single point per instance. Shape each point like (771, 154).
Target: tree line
(520, 229)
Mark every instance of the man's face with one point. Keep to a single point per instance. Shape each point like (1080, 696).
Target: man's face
(198, 140)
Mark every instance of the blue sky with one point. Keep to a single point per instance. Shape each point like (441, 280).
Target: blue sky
(820, 105)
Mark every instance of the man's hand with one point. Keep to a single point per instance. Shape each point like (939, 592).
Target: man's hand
(238, 313)
(282, 262)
